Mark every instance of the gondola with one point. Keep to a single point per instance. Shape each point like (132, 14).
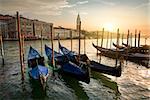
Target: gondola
(38, 72)
(114, 71)
(118, 46)
(143, 49)
(67, 67)
(127, 54)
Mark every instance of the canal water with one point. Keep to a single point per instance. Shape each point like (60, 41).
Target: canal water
(134, 83)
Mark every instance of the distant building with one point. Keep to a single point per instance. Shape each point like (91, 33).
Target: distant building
(26, 26)
(4, 29)
(30, 28)
(42, 28)
(12, 28)
(65, 33)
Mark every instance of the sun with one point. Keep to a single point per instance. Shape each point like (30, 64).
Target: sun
(109, 27)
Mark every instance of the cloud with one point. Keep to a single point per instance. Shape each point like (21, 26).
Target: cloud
(74, 12)
(107, 3)
(68, 6)
(142, 5)
(82, 2)
(73, 5)
(37, 7)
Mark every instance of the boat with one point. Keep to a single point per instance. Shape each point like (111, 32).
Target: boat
(118, 46)
(38, 72)
(95, 66)
(71, 55)
(126, 54)
(81, 73)
(114, 71)
(109, 52)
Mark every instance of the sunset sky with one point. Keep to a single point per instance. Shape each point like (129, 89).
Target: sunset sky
(95, 14)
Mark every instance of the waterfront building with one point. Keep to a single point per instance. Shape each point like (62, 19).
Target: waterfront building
(41, 28)
(4, 29)
(64, 33)
(32, 29)
(26, 26)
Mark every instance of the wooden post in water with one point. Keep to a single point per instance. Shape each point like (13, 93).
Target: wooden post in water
(51, 30)
(79, 40)
(118, 35)
(59, 42)
(23, 35)
(128, 37)
(101, 44)
(122, 37)
(97, 42)
(110, 39)
(84, 45)
(131, 39)
(145, 40)
(71, 38)
(20, 46)
(102, 38)
(2, 48)
(107, 40)
(135, 38)
(127, 46)
(79, 32)
(41, 41)
(139, 39)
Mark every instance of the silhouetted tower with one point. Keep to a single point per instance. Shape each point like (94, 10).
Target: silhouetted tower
(79, 31)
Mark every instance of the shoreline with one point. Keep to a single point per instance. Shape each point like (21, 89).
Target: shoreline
(56, 39)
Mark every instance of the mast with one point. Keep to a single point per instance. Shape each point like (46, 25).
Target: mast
(79, 32)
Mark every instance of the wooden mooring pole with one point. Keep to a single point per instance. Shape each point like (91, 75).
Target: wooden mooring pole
(2, 49)
(41, 41)
(79, 39)
(84, 44)
(139, 39)
(71, 38)
(131, 39)
(110, 39)
(118, 35)
(122, 37)
(107, 40)
(97, 42)
(135, 38)
(128, 37)
(101, 44)
(20, 47)
(51, 35)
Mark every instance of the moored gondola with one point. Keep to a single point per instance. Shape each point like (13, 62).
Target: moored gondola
(38, 72)
(67, 67)
(95, 66)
